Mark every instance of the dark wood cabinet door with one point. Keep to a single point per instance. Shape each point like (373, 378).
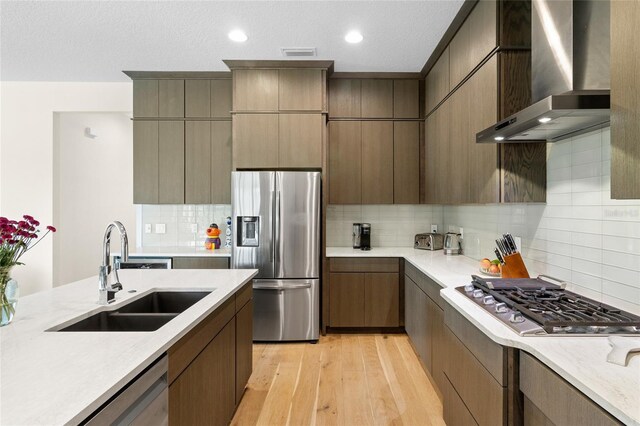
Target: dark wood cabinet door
(145, 162)
(145, 98)
(300, 144)
(377, 98)
(301, 90)
(244, 347)
(416, 320)
(221, 162)
(255, 141)
(456, 177)
(344, 98)
(406, 162)
(436, 333)
(406, 99)
(347, 304)
(171, 98)
(204, 394)
(345, 162)
(198, 162)
(381, 300)
(171, 162)
(377, 162)
(200, 263)
(625, 98)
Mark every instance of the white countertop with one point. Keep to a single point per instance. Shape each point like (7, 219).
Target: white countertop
(62, 377)
(579, 360)
(177, 252)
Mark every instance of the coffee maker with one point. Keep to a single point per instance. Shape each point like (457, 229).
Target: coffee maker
(365, 237)
(361, 236)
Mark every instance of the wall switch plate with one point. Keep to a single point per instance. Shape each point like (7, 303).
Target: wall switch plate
(161, 228)
(434, 229)
(147, 228)
(194, 228)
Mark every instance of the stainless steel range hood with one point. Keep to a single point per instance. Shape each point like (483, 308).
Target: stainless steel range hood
(570, 74)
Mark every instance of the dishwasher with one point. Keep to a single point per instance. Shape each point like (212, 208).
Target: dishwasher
(144, 401)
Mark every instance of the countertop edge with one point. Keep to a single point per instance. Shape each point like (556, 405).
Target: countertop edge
(81, 416)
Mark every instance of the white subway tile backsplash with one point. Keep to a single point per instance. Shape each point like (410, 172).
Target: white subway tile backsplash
(581, 235)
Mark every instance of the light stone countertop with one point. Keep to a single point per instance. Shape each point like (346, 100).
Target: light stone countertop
(579, 360)
(176, 252)
(54, 378)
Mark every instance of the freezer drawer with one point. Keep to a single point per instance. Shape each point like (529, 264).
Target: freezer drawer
(286, 310)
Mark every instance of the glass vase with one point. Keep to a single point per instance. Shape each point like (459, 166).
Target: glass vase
(8, 296)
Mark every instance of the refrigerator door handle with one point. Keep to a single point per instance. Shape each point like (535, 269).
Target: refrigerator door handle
(276, 241)
(281, 287)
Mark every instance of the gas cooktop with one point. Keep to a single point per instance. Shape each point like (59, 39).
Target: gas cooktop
(538, 307)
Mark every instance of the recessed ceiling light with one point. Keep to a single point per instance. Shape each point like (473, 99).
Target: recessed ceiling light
(499, 138)
(353, 37)
(237, 35)
(544, 119)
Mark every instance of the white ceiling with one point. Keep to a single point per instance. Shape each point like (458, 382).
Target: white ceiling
(95, 40)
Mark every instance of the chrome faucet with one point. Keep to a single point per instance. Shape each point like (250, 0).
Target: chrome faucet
(106, 290)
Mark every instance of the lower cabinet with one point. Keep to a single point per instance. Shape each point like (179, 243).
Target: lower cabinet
(364, 292)
(424, 321)
(200, 263)
(210, 366)
(550, 400)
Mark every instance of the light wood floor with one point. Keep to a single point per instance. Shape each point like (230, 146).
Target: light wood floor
(345, 379)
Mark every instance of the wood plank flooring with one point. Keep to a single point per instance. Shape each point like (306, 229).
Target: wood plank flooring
(345, 379)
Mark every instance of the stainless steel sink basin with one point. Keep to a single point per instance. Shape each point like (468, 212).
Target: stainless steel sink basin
(164, 302)
(148, 313)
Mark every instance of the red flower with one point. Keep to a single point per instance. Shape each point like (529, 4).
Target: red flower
(51, 228)
(29, 218)
(35, 223)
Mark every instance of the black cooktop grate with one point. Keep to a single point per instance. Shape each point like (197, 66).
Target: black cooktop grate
(556, 308)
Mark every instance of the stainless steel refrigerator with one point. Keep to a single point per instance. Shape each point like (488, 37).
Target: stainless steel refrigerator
(276, 216)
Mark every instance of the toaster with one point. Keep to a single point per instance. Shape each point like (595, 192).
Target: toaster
(430, 241)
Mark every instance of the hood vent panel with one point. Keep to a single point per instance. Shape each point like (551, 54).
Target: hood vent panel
(570, 74)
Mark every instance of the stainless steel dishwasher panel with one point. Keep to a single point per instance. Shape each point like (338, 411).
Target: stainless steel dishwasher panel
(299, 299)
(144, 401)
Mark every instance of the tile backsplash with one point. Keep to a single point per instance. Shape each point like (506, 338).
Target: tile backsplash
(581, 235)
(391, 225)
(179, 221)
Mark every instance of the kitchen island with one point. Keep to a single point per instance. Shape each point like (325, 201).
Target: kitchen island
(581, 361)
(52, 378)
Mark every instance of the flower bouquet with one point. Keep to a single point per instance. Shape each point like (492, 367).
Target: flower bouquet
(16, 238)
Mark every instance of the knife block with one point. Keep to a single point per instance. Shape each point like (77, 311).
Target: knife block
(514, 267)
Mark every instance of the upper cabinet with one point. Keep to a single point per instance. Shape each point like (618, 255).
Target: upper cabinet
(373, 98)
(437, 81)
(279, 87)
(301, 90)
(181, 137)
(208, 98)
(279, 114)
(625, 99)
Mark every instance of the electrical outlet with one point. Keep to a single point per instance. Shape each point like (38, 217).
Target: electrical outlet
(161, 228)
(194, 228)
(147, 228)
(451, 228)
(434, 229)
(461, 232)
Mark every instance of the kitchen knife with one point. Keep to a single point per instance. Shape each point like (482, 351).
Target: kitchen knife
(501, 247)
(512, 242)
(499, 256)
(507, 243)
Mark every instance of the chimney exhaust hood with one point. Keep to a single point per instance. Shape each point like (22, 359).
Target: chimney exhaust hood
(570, 76)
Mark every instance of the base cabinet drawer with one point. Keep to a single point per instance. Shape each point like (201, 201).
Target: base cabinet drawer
(454, 411)
(550, 400)
(200, 263)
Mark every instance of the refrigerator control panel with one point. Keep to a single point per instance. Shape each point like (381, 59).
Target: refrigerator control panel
(249, 227)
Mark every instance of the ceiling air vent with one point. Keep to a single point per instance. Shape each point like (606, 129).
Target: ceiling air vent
(298, 51)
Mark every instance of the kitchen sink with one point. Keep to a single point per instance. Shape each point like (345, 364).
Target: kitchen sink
(115, 321)
(164, 302)
(148, 313)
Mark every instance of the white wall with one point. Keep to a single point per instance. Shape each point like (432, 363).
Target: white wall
(581, 235)
(26, 155)
(93, 185)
